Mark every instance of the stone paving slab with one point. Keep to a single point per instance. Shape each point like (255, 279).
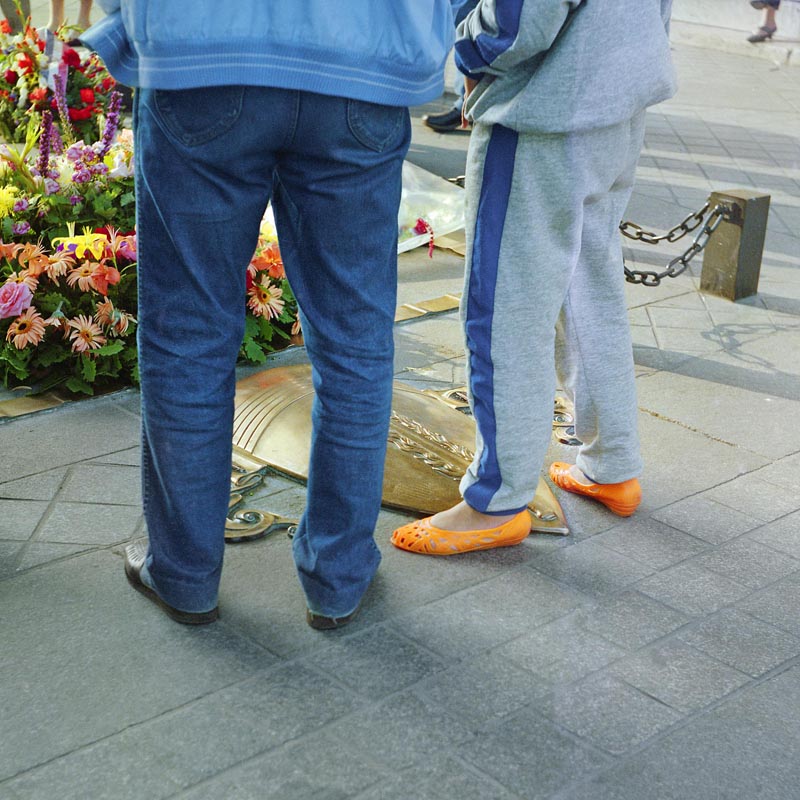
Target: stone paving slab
(745, 748)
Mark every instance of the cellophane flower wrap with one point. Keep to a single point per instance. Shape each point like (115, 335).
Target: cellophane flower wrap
(29, 86)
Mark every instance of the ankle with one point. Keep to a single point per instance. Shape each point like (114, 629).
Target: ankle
(463, 517)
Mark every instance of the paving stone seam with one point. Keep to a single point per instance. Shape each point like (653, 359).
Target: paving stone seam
(75, 405)
(711, 547)
(377, 765)
(89, 549)
(22, 552)
(778, 625)
(467, 767)
(66, 466)
(164, 713)
(653, 741)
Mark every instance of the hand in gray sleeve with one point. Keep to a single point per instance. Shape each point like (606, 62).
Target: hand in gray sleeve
(498, 34)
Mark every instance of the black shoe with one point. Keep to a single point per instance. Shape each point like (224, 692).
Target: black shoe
(444, 123)
(135, 555)
(320, 623)
(761, 35)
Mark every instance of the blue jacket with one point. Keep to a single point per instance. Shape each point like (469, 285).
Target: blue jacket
(555, 66)
(383, 51)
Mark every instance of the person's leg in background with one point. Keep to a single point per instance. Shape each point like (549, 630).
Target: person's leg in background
(56, 15)
(10, 13)
(450, 120)
(768, 26)
(204, 161)
(336, 198)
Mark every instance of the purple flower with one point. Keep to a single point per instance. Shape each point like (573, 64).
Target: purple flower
(56, 142)
(44, 143)
(74, 152)
(81, 174)
(21, 205)
(75, 199)
(20, 228)
(50, 186)
(112, 123)
(60, 84)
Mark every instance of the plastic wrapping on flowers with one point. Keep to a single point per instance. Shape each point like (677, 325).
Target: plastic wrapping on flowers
(40, 72)
(429, 207)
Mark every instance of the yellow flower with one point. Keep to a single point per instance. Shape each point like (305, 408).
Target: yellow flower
(8, 196)
(83, 245)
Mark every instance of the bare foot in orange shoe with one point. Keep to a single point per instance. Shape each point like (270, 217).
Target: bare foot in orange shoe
(463, 517)
(621, 498)
(461, 529)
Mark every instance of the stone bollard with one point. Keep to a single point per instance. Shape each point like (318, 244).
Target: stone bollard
(732, 257)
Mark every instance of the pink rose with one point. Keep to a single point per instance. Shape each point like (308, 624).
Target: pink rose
(14, 299)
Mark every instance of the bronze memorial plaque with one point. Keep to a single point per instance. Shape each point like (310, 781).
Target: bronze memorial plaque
(430, 443)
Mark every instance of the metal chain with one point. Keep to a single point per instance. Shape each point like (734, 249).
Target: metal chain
(681, 262)
(638, 234)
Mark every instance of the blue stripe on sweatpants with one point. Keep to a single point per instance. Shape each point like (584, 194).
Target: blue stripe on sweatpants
(498, 172)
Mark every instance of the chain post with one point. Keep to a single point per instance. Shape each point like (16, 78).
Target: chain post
(732, 262)
(679, 264)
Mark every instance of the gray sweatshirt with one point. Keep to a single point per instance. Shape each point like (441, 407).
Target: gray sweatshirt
(565, 65)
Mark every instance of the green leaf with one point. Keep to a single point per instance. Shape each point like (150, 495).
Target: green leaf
(127, 199)
(78, 386)
(52, 355)
(110, 349)
(88, 368)
(266, 329)
(253, 352)
(250, 327)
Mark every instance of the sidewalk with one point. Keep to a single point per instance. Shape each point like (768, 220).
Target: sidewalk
(656, 657)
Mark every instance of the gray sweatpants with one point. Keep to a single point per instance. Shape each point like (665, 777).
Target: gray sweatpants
(544, 290)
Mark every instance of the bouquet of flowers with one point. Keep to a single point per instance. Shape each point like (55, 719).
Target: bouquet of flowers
(36, 75)
(63, 187)
(68, 266)
(271, 321)
(63, 311)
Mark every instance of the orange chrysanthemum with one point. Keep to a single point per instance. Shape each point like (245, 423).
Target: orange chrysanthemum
(114, 319)
(60, 264)
(265, 299)
(27, 328)
(86, 334)
(83, 276)
(31, 281)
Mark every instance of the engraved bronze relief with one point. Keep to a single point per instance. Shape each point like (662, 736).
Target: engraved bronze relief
(430, 443)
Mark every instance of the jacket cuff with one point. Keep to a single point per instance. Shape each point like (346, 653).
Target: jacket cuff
(468, 59)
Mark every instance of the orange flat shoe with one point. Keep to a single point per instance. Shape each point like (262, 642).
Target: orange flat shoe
(621, 498)
(423, 537)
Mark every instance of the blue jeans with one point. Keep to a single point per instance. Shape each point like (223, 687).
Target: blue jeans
(207, 163)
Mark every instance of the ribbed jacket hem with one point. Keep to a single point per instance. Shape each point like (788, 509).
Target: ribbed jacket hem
(233, 63)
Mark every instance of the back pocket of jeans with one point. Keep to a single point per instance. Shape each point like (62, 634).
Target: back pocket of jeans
(197, 116)
(377, 127)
